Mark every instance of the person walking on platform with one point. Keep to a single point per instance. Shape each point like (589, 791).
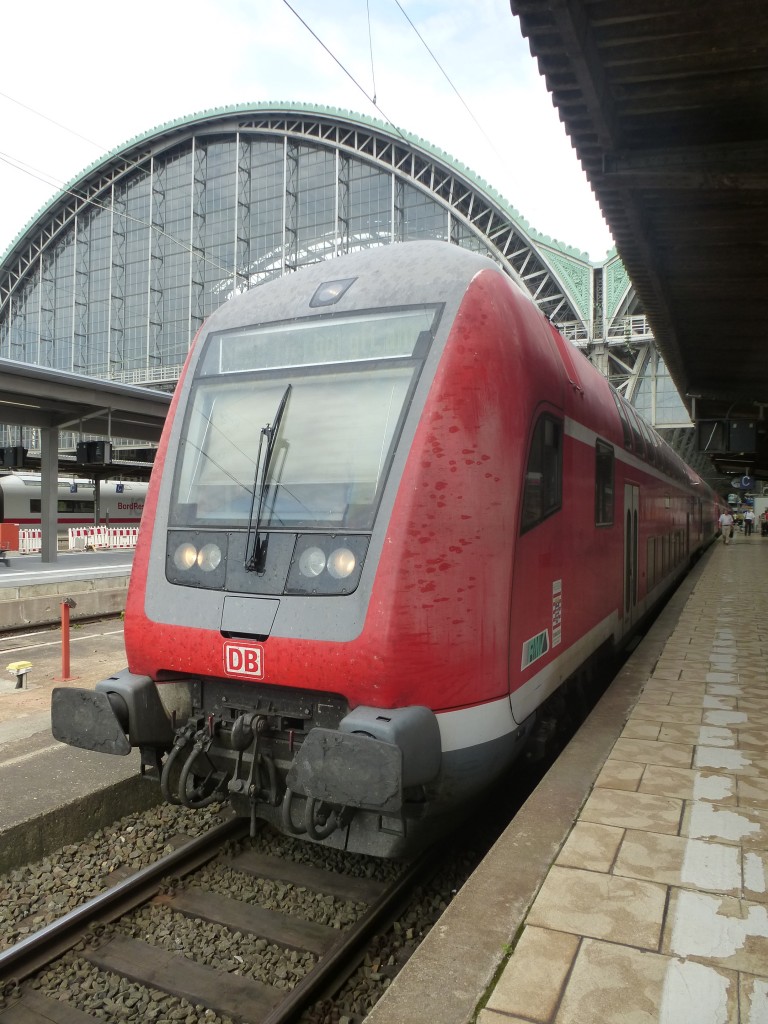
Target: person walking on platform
(726, 526)
(749, 522)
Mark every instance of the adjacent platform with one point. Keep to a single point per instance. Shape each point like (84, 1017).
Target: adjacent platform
(650, 904)
(32, 591)
(51, 794)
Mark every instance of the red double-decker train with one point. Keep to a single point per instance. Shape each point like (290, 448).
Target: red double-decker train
(393, 513)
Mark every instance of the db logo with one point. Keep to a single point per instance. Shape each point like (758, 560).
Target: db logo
(244, 660)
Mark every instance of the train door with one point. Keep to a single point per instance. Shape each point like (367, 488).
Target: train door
(631, 553)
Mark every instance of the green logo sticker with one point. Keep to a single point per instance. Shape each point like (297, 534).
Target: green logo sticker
(535, 648)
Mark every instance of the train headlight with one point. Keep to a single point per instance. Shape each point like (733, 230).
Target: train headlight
(209, 557)
(326, 565)
(311, 562)
(341, 563)
(185, 556)
(196, 558)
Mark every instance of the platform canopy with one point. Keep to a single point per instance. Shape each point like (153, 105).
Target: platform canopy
(665, 104)
(52, 401)
(37, 396)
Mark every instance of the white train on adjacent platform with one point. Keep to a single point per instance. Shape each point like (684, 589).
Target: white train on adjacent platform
(120, 502)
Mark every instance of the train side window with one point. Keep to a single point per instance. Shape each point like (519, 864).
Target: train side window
(650, 449)
(64, 505)
(624, 421)
(637, 436)
(603, 484)
(543, 490)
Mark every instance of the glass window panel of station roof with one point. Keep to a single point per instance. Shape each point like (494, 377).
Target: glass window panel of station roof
(422, 217)
(266, 227)
(219, 157)
(63, 257)
(265, 257)
(316, 169)
(219, 217)
(266, 162)
(219, 253)
(219, 257)
(134, 348)
(176, 340)
(136, 244)
(316, 195)
(135, 222)
(176, 209)
(62, 320)
(177, 166)
(97, 353)
(175, 273)
(466, 238)
(99, 258)
(219, 196)
(20, 342)
(60, 355)
(315, 224)
(212, 299)
(669, 405)
(98, 315)
(171, 262)
(175, 302)
(642, 400)
(99, 282)
(369, 201)
(134, 194)
(100, 225)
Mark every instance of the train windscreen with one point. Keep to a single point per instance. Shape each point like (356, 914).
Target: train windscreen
(318, 463)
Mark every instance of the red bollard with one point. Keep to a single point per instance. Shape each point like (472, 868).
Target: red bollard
(65, 606)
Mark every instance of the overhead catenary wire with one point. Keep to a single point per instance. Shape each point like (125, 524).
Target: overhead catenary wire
(373, 99)
(445, 74)
(370, 48)
(347, 72)
(50, 120)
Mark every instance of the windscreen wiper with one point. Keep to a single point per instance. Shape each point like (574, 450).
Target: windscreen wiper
(255, 560)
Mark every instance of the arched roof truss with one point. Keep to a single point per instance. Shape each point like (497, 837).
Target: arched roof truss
(474, 216)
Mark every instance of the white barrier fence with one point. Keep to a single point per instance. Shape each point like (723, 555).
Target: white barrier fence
(30, 541)
(82, 538)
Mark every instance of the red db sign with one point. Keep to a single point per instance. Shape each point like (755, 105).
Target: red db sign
(246, 660)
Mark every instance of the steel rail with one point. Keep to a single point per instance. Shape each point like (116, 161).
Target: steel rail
(32, 953)
(335, 963)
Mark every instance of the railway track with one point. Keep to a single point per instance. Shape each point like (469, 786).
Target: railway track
(106, 935)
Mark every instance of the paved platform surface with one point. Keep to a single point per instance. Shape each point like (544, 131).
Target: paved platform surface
(653, 906)
(52, 794)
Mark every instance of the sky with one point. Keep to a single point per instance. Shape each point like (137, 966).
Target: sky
(77, 81)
